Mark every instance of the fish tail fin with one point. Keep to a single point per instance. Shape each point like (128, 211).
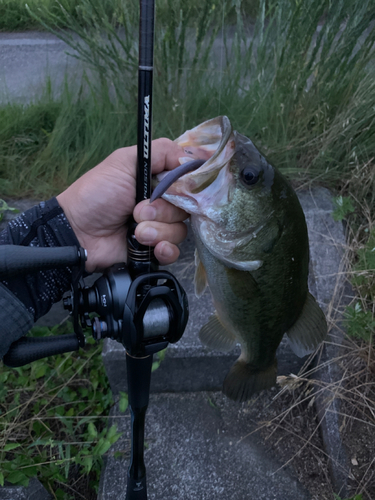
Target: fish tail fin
(243, 380)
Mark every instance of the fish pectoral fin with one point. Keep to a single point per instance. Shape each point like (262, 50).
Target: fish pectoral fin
(309, 330)
(215, 336)
(200, 277)
(244, 380)
(274, 232)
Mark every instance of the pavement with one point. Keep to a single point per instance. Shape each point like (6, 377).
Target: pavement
(32, 60)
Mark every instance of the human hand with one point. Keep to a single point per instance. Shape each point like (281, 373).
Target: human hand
(99, 204)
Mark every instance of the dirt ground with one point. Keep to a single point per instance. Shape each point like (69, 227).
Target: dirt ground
(289, 429)
(288, 424)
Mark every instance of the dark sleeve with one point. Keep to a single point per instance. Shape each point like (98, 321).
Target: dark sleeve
(44, 225)
(16, 320)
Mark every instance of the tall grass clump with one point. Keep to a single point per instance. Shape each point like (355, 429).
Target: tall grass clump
(15, 16)
(46, 145)
(298, 80)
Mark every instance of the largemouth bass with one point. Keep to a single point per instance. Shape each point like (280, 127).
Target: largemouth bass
(252, 251)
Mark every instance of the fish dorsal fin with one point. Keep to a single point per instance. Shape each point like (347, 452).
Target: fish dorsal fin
(215, 336)
(309, 330)
(200, 278)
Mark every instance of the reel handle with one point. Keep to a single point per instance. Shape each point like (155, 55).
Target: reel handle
(28, 349)
(16, 260)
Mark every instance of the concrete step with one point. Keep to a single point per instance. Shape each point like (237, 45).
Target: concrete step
(197, 449)
(34, 491)
(197, 444)
(190, 366)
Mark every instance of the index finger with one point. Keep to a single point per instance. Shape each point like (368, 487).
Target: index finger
(165, 155)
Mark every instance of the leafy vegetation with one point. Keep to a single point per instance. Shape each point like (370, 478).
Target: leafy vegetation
(54, 415)
(4, 207)
(360, 323)
(343, 207)
(364, 278)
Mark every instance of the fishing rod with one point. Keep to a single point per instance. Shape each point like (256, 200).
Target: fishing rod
(140, 258)
(136, 304)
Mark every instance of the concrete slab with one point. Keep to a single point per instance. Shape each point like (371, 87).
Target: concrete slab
(189, 366)
(28, 60)
(333, 291)
(35, 491)
(195, 450)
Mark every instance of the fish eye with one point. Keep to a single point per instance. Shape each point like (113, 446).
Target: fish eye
(249, 176)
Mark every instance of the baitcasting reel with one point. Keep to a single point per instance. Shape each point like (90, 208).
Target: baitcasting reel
(144, 314)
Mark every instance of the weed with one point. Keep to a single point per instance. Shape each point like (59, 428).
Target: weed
(54, 421)
(298, 81)
(360, 323)
(159, 359)
(364, 278)
(343, 207)
(5, 207)
(15, 14)
(300, 87)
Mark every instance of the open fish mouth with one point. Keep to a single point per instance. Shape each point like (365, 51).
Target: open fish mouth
(208, 148)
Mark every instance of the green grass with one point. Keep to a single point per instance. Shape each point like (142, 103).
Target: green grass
(15, 16)
(47, 145)
(54, 415)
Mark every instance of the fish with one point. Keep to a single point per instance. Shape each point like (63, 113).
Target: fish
(252, 252)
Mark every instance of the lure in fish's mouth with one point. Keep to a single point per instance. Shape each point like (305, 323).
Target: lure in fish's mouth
(213, 139)
(173, 176)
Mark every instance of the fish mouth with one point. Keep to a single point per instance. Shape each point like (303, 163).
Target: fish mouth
(208, 148)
